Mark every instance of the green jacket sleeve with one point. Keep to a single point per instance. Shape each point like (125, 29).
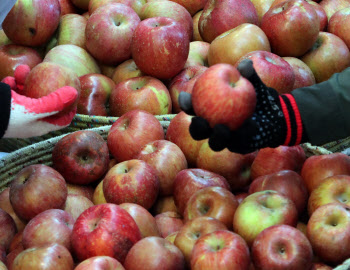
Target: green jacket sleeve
(325, 108)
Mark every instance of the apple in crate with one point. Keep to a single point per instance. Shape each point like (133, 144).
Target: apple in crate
(104, 229)
(100, 263)
(126, 70)
(332, 6)
(67, 7)
(71, 30)
(233, 100)
(8, 230)
(76, 204)
(339, 25)
(168, 222)
(192, 6)
(302, 73)
(82, 157)
(198, 54)
(83, 190)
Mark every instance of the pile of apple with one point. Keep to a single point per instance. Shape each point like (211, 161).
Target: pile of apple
(148, 198)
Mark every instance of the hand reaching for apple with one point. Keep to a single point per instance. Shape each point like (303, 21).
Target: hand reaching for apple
(275, 120)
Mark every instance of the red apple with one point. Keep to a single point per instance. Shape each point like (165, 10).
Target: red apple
(332, 6)
(168, 223)
(37, 188)
(84, 190)
(136, 5)
(164, 204)
(281, 247)
(104, 229)
(339, 25)
(8, 230)
(241, 196)
(198, 54)
(220, 250)
(321, 14)
(302, 73)
(320, 266)
(76, 204)
(126, 70)
(11, 256)
(71, 30)
(100, 263)
(67, 7)
(16, 241)
(160, 46)
(130, 132)
(192, 6)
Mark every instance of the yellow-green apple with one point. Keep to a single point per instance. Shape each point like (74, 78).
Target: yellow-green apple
(81, 4)
(335, 188)
(192, 230)
(231, 45)
(167, 159)
(188, 181)
(169, 9)
(154, 253)
(164, 204)
(217, 249)
(168, 222)
(143, 218)
(328, 55)
(233, 166)
(339, 25)
(328, 231)
(273, 70)
(178, 133)
(291, 39)
(130, 132)
(104, 229)
(67, 7)
(262, 6)
(81, 157)
(261, 210)
(106, 69)
(234, 100)
(76, 204)
(198, 54)
(126, 70)
(98, 196)
(160, 46)
(8, 230)
(302, 73)
(84, 190)
(100, 263)
(281, 247)
(48, 257)
(136, 5)
(286, 182)
(195, 19)
(321, 13)
(131, 181)
(271, 160)
(37, 188)
(209, 24)
(145, 93)
(5, 205)
(192, 6)
(215, 202)
(12, 55)
(184, 82)
(318, 167)
(332, 6)
(95, 93)
(109, 32)
(71, 30)
(79, 60)
(53, 226)
(32, 22)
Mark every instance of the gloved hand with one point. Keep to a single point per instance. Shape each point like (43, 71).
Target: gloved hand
(276, 120)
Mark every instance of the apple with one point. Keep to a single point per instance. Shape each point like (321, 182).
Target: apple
(196, 36)
(82, 157)
(216, 202)
(321, 13)
(287, 182)
(16, 242)
(168, 222)
(109, 32)
(210, 26)
(262, 6)
(164, 204)
(67, 7)
(11, 256)
(95, 93)
(154, 253)
(281, 247)
(140, 93)
(100, 263)
(37, 188)
(335, 188)
(47, 257)
(332, 6)
(8, 230)
(323, 63)
(302, 73)
(270, 160)
(98, 196)
(198, 54)
(126, 70)
(272, 69)
(178, 133)
(71, 30)
(104, 229)
(131, 181)
(188, 181)
(33, 22)
(167, 159)
(130, 132)
(240, 196)
(13, 55)
(49, 227)
(143, 218)
(217, 249)
(233, 44)
(76, 204)
(320, 266)
(318, 167)
(261, 210)
(192, 6)
(136, 5)
(171, 237)
(339, 23)
(4, 40)
(160, 46)
(106, 69)
(192, 230)
(84, 190)
(328, 231)
(79, 60)
(184, 82)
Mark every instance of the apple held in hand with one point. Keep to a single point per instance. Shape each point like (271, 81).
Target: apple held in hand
(223, 96)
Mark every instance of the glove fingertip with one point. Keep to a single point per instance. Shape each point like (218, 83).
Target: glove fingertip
(185, 102)
(67, 94)
(21, 72)
(199, 128)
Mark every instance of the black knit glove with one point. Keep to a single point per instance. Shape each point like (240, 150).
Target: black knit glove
(276, 120)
